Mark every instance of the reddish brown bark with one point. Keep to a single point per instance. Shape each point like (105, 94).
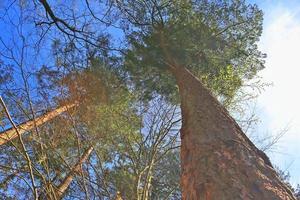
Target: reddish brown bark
(219, 162)
(61, 189)
(10, 134)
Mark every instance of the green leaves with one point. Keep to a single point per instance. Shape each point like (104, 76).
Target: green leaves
(205, 37)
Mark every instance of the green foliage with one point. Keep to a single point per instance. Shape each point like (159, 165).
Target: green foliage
(113, 125)
(216, 40)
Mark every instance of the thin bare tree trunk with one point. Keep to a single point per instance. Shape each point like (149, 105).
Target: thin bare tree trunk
(11, 133)
(218, 161)
(61, 189)
(118, 196)
(24, 150)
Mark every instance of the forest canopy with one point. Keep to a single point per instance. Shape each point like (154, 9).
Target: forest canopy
(97, 96)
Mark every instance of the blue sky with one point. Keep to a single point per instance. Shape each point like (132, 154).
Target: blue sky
(279, 105)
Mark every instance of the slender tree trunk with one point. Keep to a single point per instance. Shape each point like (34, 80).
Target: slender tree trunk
(118, 196)
(11, 133)
(148, 182)
(218, 161)
(61, 189)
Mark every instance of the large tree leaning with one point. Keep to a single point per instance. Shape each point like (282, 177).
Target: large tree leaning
(218, 160)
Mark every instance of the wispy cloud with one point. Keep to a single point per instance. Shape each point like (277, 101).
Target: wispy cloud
(281, 103)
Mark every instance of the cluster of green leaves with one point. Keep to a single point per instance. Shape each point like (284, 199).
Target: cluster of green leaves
(216, 40)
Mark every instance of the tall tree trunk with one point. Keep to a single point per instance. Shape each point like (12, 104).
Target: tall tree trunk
(219, 162)
(11, 133)
(61, 189)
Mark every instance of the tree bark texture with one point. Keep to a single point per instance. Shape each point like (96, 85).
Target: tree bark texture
(219, 162)
(61, 189)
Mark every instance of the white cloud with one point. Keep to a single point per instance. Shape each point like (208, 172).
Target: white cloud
(281, 103)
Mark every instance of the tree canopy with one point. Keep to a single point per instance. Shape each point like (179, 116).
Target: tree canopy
(216, 40)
